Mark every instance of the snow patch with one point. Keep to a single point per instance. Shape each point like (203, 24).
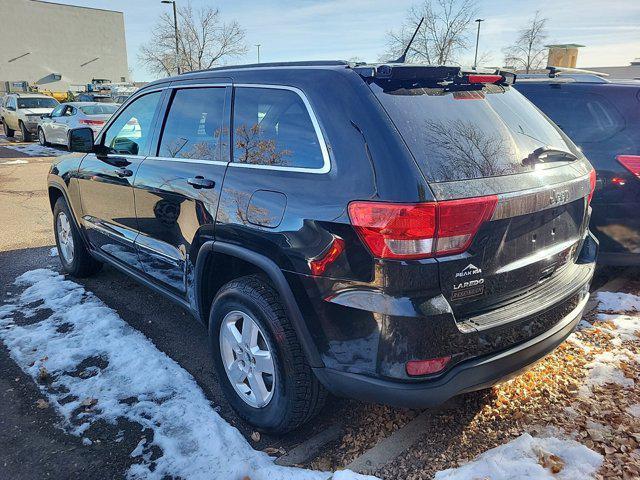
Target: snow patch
(634, 410)
(618, 302)
(35, 150)
(604, 369)
(53, 252)
(521, 458)
(128, 378)
(18, 161)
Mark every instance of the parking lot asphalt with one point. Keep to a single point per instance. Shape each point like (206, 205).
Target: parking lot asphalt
(32, 445)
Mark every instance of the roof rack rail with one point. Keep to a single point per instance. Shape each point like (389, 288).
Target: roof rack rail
(553, 71)
(310, 63)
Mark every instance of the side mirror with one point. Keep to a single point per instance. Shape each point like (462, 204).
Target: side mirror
(81, 140)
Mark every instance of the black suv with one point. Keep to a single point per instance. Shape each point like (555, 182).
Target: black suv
(394, 233)
(603, 118)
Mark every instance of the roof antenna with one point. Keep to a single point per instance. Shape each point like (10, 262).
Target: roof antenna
(402, 58)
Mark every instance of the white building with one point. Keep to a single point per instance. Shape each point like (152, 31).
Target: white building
(56, 46)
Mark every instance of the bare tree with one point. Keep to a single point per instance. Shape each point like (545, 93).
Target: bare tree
(528, 52)
(204, 41)
(441, 37)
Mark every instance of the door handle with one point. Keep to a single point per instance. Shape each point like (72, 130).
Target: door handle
(199, 182)
(123, 172)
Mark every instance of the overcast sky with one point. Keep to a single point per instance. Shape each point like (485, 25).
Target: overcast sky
(341, 29)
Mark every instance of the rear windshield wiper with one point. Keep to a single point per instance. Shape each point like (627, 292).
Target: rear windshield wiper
(549, 154)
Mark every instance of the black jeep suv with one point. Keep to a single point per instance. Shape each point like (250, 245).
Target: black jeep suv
(603, 118)
(394, 233)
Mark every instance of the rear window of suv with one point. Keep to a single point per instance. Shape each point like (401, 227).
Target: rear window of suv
(37, 102)
(470, 134)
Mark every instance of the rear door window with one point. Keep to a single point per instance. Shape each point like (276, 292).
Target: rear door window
(194, 124)
(273, 127)
(470, 134)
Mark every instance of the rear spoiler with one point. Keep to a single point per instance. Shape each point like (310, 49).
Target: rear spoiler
(440, 75)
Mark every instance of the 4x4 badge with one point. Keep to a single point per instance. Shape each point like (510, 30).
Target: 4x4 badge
(470, 269)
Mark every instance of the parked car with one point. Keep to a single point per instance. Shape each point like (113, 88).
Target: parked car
(22, 111)
(120, 99)
(603, 118)
(372, 230)
(94, 97)
(55, 126)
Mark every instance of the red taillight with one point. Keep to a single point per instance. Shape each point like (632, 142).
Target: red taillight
(484, 78)
(459, 220)
(91, 122)
(319, 265)
(592, 185)
(631, 163)
(410, 231)
(426, 367)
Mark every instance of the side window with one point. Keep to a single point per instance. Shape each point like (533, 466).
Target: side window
(68, 111)
(57, 111)
(130, 133)
(273, 127)
(194, 124)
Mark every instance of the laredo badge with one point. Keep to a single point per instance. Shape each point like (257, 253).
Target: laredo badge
(470, 288)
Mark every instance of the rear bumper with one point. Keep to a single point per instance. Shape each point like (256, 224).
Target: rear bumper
(474, 374)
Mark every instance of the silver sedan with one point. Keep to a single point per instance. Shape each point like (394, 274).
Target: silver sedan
(54, 127)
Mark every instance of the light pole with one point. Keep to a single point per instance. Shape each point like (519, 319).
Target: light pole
(475, 59)
(258, 45)
(175, 28)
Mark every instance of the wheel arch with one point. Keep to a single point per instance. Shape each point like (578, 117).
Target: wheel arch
(240, 261)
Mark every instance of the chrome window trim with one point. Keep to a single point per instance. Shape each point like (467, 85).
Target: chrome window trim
(187, 160)
(326, 166)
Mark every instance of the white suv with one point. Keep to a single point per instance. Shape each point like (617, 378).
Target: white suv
(22, 111)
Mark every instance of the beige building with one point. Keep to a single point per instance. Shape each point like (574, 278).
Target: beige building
(57, 46)
(563, 55)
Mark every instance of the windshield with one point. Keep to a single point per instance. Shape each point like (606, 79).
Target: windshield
(470, 134)
(103, 109)
(37, 102)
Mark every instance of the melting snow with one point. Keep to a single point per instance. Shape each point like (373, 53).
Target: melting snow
(35, 150)
(521, 458)
(18, 161)
(618, 302)
(121, 364)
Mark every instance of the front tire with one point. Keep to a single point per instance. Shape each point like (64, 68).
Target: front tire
(26, 136)
(259, 361)
(7, 131)
(42, 140)
(74, 256)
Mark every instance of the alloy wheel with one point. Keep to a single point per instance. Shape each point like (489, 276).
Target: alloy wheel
(247, 358)
(65, 237)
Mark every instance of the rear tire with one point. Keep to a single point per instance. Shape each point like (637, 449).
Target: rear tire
(74, 256)
(42, 140)
(26, 136)
(7, 131)
(295, 395)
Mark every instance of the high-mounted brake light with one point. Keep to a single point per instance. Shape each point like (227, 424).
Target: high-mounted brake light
(631, 163)
(422, 230)
(473, 78)
(592, 185)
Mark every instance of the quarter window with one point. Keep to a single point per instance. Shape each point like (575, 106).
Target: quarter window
(130, 133)
(194, 124)
(273, 127)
